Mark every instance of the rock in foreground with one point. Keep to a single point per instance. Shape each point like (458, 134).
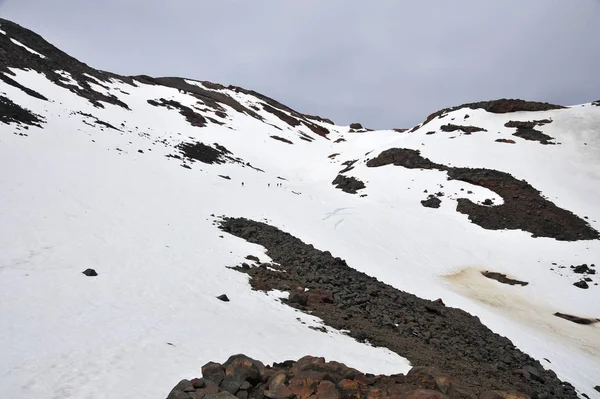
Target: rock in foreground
(312, 377)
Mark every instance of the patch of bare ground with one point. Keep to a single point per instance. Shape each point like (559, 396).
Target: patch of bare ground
(501, 278)
(465, 129)
(192, 117)
(576, 319)
(282, 139)
(14, 113)
(525, 130)
(348, 184)
(426, 332)
(524, 207)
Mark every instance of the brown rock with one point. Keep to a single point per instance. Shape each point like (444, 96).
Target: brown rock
(503, 395)
(327, 390)
(347, 385)
(277, 388)
(425, 394)
(306, 384)
(244, 368)
(443, 384)
(214, 372)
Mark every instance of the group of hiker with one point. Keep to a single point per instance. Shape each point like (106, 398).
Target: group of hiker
(268, 184)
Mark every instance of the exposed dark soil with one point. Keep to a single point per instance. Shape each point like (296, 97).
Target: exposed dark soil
(527, 124)
(14, 83)
(525, 130)
(576, 319)
(503, 279)
(349, 165)
(293, 122)
(348, 184)
(282, 139)
(426, 332)
(534, 135)
(205, 154)
(13, 113)
(524, 208)
(193, 118)
(400, 130)
(98, 121)
(242, 377)
(465, 129)
(508, 141)
(217, 154)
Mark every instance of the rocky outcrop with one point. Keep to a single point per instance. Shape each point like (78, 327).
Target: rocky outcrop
(13, 113)
(525, 130)
(465, 129)
(524, 207)
(282, 139)
(348, 184)
(576, 319)
(311, 377)
(425, 332)
(502, 278)
(431, 202)
(193, 118)
(501, 106)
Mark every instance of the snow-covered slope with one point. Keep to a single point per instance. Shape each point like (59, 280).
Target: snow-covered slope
(97, 171)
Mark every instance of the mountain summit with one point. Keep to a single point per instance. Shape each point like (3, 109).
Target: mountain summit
(151, 225)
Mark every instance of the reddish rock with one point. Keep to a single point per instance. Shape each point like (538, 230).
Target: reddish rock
(244, 368)
(214, 372)
(503, 395)
(327, 390)
(425, 394)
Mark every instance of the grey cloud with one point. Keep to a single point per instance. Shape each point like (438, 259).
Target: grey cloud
(387, 63)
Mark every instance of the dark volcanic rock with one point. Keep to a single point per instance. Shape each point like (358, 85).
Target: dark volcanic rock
(348, 184)
(314, 378)
(13, 113)
(223, 298)
(356, 126)
(524, 207)
(525, 130)
(575, 319)
(90, 272)
(581, 284)
(427, 333)
(501, 106)
(432, 202)
(503, 279)
(464, 129)
(282, 139)
(193, 118)
(509, 141)
(582, 269)
(527, 124)
(534, 135)
(407, 158)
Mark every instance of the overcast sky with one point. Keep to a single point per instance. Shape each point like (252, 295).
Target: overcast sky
(385, 63)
